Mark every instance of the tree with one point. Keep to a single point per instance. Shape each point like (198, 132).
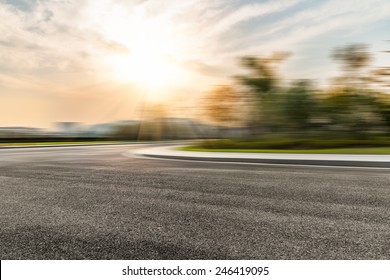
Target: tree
(353, 58)
(262, 83)
(263, 76)
(299, 105)
(222, 105)
(381, 77)
(356, 113)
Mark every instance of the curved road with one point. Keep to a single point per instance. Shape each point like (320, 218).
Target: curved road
(94, 202)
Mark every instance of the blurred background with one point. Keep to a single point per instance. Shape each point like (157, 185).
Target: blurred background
(247, 74)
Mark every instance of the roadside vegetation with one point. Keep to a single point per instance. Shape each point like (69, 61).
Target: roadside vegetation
(352, 112)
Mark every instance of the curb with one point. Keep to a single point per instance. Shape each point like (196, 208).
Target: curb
(180, 155)
(337, 163)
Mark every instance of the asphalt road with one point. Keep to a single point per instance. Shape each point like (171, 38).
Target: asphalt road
(96, 203)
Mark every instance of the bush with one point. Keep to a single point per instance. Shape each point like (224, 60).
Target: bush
(294, 144)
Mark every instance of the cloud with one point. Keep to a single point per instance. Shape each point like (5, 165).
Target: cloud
(249, 11)
(315, 20)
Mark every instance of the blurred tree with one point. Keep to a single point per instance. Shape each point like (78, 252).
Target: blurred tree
(293, 109)
(352, 112)
(264, 77)
(353, 58)
(262, 82)
(356, 106)
(381, 77)
(300, 107)
(222, 105)
(383, 109)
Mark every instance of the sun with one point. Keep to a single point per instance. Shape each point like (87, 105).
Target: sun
(147, 68)
(151, 62)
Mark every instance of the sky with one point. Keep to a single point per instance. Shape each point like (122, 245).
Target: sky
(95, 61)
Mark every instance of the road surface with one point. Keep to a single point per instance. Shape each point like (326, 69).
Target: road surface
(100, 202)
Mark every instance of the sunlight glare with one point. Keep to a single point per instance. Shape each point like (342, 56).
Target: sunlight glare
(150, 62)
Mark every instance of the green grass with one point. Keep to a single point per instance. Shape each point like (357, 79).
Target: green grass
(359, 151)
